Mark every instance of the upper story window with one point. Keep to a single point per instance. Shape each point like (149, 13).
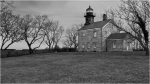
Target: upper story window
(95, 34)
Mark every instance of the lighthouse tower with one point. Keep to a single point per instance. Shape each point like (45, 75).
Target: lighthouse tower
(89, 16)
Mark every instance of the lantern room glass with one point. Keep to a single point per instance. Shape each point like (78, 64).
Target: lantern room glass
(89, 11)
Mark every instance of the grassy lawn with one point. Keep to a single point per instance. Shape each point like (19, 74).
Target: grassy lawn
(77, 67)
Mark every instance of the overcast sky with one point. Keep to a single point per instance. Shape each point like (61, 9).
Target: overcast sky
(67, 12)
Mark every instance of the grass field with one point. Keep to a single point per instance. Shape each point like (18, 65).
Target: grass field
(76, 67)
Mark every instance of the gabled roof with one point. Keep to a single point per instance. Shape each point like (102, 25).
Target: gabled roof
(117, 36)
(99, 24)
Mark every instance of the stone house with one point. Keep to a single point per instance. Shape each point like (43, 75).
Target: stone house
(103, 36)
(92, 36)
(119, 42)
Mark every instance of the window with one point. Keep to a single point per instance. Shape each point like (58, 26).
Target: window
(94, 44)
(88, 44)
(83, 34)
(105, 35)
(114, 45)
(83, 45)
(95, 34)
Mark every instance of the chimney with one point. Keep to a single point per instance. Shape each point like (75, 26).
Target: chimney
(104, 17)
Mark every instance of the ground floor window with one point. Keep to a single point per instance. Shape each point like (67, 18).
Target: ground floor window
(83, 34)
(114, 45)
(94, 44)
(95, 34)
(83, 45)
(88, 44)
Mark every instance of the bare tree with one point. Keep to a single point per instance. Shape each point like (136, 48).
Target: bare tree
(9, 30)
(72, 36)
(53, 33)
(32, 30)
(133, 18)
(6, 6)
(58, 33)
(67, 43)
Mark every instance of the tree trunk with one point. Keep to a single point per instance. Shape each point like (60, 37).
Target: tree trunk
(30, 49)
(147, 51)
(1, 46)
(147, 47)
(49, 48)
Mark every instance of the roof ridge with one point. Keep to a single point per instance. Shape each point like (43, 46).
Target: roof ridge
(116, 36)
(98, 24)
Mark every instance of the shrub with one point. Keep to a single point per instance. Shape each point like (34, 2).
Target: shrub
(138, 49)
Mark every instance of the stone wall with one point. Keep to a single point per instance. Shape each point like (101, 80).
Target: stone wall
(106, 31)
(121, 45)
(89, 39)
(99, 40)
(118, 43)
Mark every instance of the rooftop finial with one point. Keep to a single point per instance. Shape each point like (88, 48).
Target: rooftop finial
(89, 9)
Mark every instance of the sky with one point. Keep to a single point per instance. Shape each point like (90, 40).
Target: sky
(67, 12)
